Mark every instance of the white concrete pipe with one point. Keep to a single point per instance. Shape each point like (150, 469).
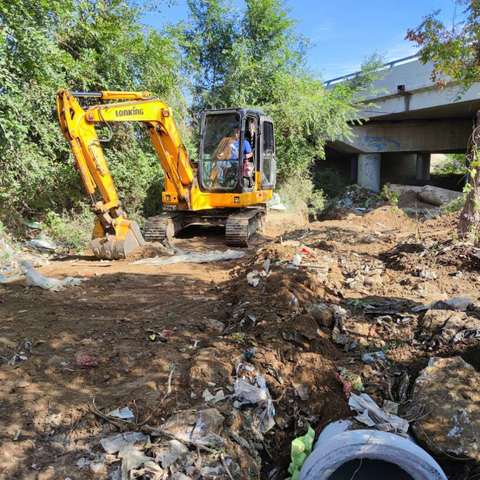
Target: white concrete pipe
(343, 454)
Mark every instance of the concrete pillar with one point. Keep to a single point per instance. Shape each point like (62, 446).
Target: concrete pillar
(423, 167)
(369, 171)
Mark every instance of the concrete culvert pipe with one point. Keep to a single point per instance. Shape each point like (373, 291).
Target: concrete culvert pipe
(344, 454)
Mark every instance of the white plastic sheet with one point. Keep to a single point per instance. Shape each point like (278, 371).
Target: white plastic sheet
(193, 257)
(36, 279)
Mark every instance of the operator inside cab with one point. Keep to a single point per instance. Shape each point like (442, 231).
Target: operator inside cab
(227, 163)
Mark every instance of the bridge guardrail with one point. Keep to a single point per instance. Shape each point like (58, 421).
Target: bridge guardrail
(385, 66)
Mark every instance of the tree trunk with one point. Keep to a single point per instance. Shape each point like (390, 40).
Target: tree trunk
(469, 223)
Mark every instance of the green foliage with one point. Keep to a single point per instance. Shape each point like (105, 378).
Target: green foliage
(455, 205)
(332, 182)
(455, 164)
(70, 229)
(300, 195)
(82, 45)
(390, 196)
(453, 51)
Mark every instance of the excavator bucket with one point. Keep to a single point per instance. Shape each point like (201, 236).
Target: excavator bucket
(127, 239)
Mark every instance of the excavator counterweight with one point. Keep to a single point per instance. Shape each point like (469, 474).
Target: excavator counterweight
(228, 186)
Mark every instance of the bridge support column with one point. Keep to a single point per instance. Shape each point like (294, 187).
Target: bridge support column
(423, 167)
(369, 171)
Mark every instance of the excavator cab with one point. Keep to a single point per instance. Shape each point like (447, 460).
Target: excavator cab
(237, 151)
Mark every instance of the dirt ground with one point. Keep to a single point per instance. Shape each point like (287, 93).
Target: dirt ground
(149, 337)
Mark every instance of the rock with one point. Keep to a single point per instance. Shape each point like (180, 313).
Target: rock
(322, 314)
(302, 391)
(253, 278)
(437, 196)
(374, 280)
(339, 313)
(448, 391)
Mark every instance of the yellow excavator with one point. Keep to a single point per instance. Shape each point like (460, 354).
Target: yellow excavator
(228, 186)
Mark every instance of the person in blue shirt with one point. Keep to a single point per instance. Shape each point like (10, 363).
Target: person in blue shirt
(229, 167)
(247, 148)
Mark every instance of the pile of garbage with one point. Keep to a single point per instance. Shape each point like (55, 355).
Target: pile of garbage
(220, 438)
(356, 198)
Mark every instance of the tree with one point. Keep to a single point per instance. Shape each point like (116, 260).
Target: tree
(455, 53)
(82, 45)
(207, 43)
(263, 65)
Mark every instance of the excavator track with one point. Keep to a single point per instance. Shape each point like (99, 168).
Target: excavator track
(242, 226)
(159, 228)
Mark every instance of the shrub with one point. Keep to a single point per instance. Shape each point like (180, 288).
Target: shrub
(299, 195)
(73, 230)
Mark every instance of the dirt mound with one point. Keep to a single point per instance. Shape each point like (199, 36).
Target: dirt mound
(277, 223)
(388, 216)
(151, 250)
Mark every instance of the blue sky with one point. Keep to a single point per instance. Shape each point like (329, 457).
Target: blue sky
(344, 32)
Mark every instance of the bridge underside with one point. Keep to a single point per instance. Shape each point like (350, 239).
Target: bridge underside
(397, 147)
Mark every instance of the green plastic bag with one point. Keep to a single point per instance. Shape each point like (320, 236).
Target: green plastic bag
(301, 449)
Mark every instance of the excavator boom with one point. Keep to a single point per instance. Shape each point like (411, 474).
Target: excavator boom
(114, 235)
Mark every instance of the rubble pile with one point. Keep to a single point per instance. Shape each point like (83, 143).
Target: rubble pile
(361, 320)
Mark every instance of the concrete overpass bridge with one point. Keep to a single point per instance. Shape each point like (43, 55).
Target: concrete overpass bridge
(411, 119)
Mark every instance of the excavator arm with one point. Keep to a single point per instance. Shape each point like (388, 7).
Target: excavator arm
(114, 236)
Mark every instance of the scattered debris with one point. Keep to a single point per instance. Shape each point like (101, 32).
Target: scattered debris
(115, 443)
(275, 203)
(253, 278)
(350, 382)
(250, 389)
(32, 224)
(373, 357)
(448, 327)
(323, 314)
(371, 415)
(85, 360)
(123, 413)
(43, 245)
(209, 398)
(460, 304)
